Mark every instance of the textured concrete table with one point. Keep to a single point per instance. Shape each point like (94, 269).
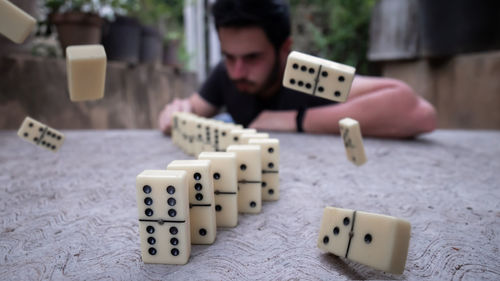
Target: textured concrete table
(73, 215)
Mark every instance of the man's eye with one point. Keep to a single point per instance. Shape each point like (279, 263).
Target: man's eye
(251, 57)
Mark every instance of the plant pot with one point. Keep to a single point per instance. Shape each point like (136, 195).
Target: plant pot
(171, 53)
(121, 40)
(151, 45)
(77, 28)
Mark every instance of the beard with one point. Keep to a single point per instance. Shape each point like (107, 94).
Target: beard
(245, 86)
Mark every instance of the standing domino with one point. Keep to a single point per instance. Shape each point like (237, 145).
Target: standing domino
(184, 128)
(270, 159)
(249, 168)
(201, 199)
(40, 134)
(176, 133)
(225, 138)
(225, 186)
(212, 134)
(86, 67)
(198, 135)
(220, 136)
(236, 133)
(375, 240)
(353, 141)
(15, 23)
(318, 77)
(162, 202)
(189, 126)
(244, 138)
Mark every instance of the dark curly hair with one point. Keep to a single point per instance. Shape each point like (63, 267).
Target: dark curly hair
(273, 16)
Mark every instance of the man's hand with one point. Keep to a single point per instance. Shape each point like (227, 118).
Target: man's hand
(165, 118)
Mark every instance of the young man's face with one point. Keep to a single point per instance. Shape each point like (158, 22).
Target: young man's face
(250, 58)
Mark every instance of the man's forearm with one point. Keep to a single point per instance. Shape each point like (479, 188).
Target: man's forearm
(387, 113)
(201, 107)
(283, 121)
(395, 119)
(383, 107)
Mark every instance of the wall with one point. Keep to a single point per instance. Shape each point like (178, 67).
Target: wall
(464, 89)
(133, 98)
(448, 52)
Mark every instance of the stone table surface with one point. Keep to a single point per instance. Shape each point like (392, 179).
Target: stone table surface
(72, 215)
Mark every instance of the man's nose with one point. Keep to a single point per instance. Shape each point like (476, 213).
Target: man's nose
(239, 69)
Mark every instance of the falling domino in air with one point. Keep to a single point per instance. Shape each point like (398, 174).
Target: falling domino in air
(40, 134)
(86, 68)
(318, 77)
(353, 141)
(15, 23)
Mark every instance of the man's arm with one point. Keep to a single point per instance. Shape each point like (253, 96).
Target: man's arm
(195, 104)
(384, 107)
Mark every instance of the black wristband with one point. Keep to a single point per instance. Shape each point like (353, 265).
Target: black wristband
(299, 120)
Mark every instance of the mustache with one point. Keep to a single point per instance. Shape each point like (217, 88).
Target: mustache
(246, 81)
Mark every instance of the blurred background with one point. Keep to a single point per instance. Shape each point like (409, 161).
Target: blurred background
(157, 50)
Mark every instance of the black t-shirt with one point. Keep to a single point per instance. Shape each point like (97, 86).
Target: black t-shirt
(219, 90)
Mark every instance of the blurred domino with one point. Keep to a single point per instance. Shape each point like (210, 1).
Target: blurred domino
(225, 138)
(40, 134)
(244, 138)
(176, 133)
(211, 137)
(163, 205)
(375, 240)
(353, 141)
(15, 23)
(184, 129)
(318, 77)
(86, 68)
(198, 135)
(217, 130)
(234, 135)
(190, 122)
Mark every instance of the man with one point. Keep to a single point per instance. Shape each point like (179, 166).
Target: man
(255, 41)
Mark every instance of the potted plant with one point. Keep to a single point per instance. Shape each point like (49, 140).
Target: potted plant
(122, 33)
(162, 30)
(77, 21)
(173, 50)
(154, 16)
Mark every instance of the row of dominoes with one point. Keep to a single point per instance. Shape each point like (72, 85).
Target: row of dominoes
(254, 151)
(194, 134)
(194, 197)
(257, 155)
